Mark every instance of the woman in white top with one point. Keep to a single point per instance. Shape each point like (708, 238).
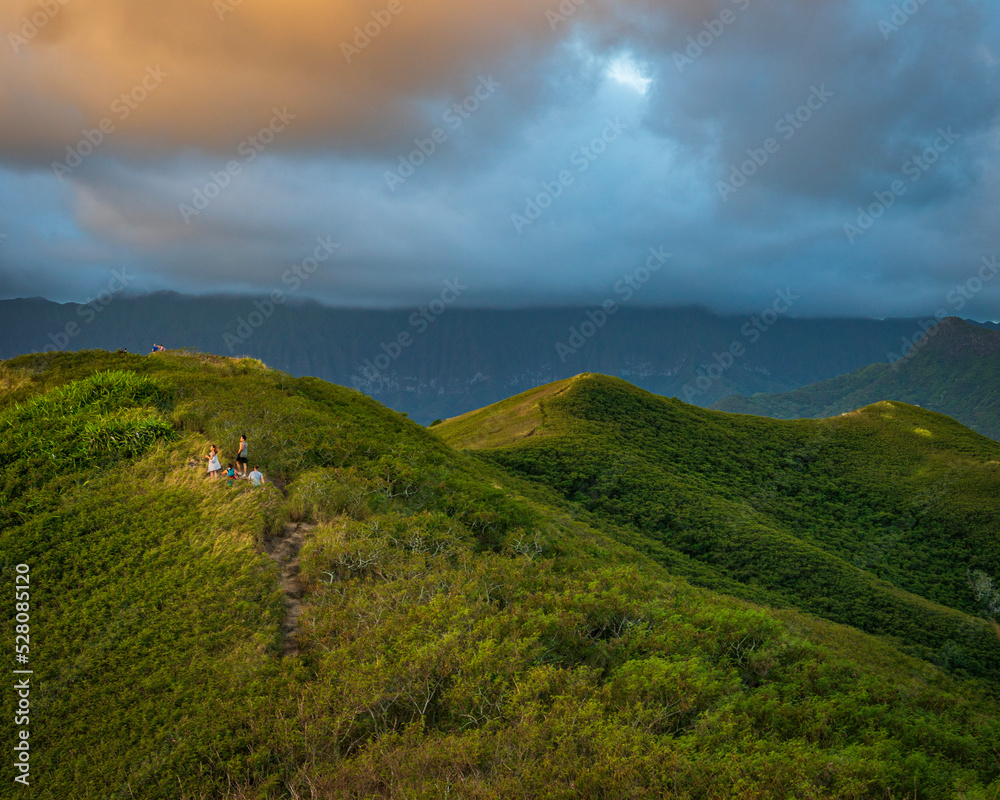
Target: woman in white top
(214, 467)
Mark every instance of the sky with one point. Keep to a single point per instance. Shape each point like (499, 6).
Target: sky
(531, 152)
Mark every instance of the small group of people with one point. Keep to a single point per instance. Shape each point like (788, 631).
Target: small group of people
(158, 348)
(215, 470)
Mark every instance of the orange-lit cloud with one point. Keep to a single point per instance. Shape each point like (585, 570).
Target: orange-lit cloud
(350, 71)
(171, 90)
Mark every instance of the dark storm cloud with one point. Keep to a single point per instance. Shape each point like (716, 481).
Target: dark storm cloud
(426, 150)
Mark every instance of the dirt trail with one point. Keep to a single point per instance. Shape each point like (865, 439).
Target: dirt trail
(284, 549)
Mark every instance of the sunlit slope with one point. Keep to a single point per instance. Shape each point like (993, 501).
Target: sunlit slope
(885, 518)
(954, 370)
(506, 422)
(429, 625)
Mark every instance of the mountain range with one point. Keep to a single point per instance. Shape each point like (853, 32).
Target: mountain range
(440, 359)
(953, 369)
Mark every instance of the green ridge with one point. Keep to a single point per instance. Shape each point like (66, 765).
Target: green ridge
(464, 631)
(954, 369)
(880, 518)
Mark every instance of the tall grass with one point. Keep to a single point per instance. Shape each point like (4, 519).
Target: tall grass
(462, 632)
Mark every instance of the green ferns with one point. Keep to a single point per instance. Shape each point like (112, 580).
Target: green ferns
(111, 413)
(89, 423)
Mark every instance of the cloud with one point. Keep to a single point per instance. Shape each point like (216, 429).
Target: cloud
(350, 88)
(185, 90)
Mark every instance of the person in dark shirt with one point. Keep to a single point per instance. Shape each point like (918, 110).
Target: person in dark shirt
(243, 456)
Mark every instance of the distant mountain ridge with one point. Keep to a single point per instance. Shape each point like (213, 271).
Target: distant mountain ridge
(953, 369)
(442, 360)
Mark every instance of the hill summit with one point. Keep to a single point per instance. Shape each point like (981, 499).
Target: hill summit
(954, 338)
(875, 518)
(953, 368)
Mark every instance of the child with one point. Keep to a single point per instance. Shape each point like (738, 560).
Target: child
(231, 474)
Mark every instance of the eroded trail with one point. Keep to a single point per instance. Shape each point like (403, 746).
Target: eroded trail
(284, 549)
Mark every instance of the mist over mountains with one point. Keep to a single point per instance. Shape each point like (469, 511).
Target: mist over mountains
(438, 361)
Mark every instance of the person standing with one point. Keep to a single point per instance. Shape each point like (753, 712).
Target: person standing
(214, 467)
(243, 457)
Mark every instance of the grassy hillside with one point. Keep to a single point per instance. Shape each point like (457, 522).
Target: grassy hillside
(884, 518)
(390, 617)
(954, 370)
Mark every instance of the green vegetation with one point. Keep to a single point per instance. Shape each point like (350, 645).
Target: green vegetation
(875, 519)
(91, 423)
(954, 370)
(460, 630)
